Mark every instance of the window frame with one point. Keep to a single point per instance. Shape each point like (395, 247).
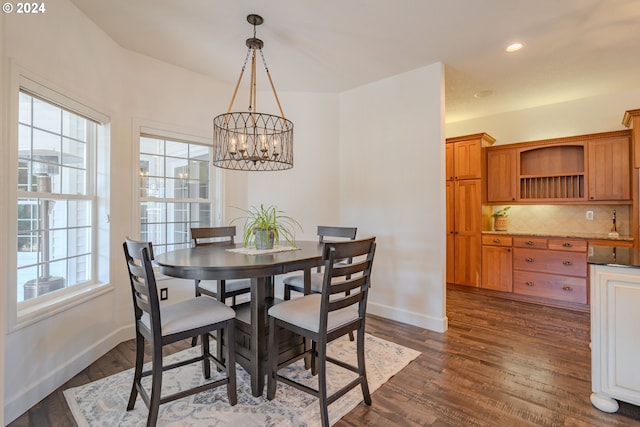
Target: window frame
(25, 313)
(150, 129)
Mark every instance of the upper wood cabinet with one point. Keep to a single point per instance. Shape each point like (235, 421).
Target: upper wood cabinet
(609, 169)
(501, 175)
(467, 159)
(582, 168)
(449, 161)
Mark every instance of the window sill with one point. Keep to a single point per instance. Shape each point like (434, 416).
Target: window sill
(38, 311)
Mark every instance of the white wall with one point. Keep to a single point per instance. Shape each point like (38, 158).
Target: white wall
(583, 116)
(392, 186)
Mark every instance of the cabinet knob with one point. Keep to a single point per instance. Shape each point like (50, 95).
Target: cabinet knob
(567, 263)
(529, 283)
(508, 249)
(567, 245)
(567, 288)
(530, 243)
(496, 240)
(529, 259)
(513, 199)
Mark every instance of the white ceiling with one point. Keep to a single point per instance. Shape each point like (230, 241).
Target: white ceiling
(574, 48)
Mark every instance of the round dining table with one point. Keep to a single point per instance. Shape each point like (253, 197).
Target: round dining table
(231, 261)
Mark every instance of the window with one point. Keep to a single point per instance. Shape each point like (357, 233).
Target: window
(175, 191)
(56, 197)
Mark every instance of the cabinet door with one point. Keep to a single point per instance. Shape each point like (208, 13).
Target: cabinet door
(449, 167)
(450, 186)
(468, 232)
(497, 265)
(467, 159)
(609, 169)
(615, 298)
(468, 206)
(501, 175)
(467, 259)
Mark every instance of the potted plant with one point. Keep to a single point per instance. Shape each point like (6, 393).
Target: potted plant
(501, 219)
(265, 225)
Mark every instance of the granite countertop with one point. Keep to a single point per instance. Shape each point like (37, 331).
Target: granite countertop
(614, 256)
(599, 236)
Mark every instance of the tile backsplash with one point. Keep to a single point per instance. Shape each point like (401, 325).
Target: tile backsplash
(554, 219)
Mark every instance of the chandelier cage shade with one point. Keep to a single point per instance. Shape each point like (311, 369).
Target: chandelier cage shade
(250, 140)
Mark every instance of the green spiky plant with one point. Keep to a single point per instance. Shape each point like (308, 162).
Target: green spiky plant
(267, 218)
(502, 212)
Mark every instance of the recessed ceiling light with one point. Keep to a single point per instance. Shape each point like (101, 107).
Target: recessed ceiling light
(514, 47)
(483, 94)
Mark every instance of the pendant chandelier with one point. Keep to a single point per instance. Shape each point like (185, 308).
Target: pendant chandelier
(251, 140)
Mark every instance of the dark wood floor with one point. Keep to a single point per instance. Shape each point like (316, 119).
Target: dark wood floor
(501, 363)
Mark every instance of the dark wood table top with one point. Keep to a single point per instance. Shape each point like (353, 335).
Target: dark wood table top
(218, 263)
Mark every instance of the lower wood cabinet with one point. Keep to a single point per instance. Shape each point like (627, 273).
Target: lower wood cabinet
(554, 268)
(545, 268)
(497, 262)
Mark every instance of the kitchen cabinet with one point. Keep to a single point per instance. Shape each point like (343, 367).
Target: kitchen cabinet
(551, 268)
(576, 169)
(497, 262)
(464, 191)
(610, 169)
(501, 175)
(615, 298)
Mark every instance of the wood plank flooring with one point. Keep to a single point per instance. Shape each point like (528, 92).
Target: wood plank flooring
(501, 363)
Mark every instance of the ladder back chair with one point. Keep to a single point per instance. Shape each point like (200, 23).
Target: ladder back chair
(208, 236)
(325, 233)
(321, 318)
(164, 325)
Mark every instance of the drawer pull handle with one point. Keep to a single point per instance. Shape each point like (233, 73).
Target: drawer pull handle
(496, 240)
(530, 243)
(567, 245)
(529, 283)
(567, 288)
(529, 259)
(567, 262)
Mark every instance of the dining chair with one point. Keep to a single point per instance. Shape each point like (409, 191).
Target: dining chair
(296, 282)
(208, 236)
(324, 317)
(164, 325)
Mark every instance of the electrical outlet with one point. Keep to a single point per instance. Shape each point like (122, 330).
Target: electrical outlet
(590, 215)
(164, 294)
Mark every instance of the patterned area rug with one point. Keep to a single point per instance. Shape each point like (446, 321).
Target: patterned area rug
(103, 402)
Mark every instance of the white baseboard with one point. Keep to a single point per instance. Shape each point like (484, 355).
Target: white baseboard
(35, 392)
(436, 324)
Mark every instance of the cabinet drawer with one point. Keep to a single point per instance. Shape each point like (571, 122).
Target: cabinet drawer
(530, 242)
(573, 289)
(496, 240)
(576, 245)
(555, 262)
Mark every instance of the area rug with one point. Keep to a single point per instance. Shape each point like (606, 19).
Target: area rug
(103, 402)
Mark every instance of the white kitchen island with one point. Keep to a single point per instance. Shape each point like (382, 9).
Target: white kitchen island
(615, 326)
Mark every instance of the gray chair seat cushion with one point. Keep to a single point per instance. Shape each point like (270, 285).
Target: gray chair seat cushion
(305, 313)
(229, 285)
(298, 281)
(190, 314)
